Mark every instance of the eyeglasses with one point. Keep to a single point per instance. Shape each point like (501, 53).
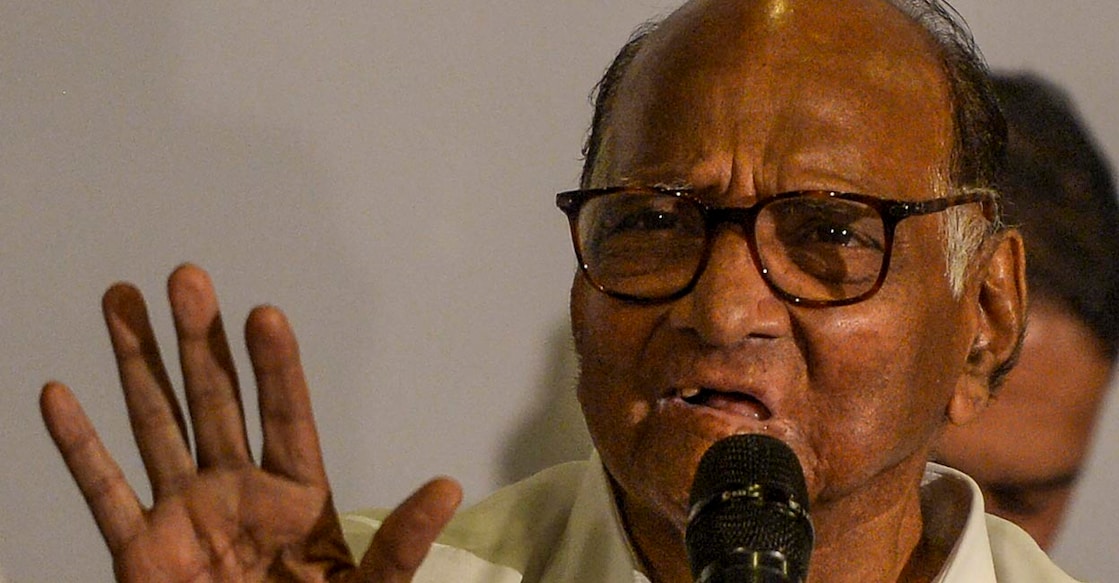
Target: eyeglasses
(813, 248)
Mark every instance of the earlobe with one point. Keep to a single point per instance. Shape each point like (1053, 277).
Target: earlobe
(999, 326)
(969, 400)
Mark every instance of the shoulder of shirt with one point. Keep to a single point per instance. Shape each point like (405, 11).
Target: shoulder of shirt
(1018, 558)
(512, 527)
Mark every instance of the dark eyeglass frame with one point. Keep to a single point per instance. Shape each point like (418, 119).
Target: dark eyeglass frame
(892, 212)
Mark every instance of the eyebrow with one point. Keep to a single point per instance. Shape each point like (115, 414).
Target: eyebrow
(1046, 484)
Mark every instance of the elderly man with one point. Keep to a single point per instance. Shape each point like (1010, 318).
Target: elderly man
(785, 229)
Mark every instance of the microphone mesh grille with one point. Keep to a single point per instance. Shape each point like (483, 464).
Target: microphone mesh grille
(728, 524)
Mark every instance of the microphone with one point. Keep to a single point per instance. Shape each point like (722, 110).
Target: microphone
(748, 514)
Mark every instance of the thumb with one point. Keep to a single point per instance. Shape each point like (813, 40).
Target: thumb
(406, 535)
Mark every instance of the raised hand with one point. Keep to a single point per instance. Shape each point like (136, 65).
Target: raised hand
(216, 515)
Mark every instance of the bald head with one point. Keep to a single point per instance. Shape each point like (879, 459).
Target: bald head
(724, 74)
(708, 34)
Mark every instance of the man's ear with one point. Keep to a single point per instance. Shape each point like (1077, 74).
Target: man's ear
(998, 325)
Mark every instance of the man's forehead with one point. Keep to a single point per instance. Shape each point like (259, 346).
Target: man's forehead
(811, 74)
(705, 31)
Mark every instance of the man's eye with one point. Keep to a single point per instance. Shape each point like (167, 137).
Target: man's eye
(830, 234)
(826, 225)
(824, 232)
(644, 221)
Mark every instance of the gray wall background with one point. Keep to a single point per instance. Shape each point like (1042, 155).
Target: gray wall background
(382, 170)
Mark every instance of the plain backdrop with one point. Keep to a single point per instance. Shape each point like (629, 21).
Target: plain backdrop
(382, 170)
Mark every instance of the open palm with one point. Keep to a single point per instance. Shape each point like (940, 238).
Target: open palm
(217, 515)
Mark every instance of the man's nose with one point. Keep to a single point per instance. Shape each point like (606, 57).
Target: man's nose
(731, 302)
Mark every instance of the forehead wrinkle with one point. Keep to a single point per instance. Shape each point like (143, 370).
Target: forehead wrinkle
(835, 133)
(663, 76)
(641, 147)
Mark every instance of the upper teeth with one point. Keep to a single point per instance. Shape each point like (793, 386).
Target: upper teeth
(689, 392)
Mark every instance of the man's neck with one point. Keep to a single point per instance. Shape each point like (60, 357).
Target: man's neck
(884, 524)
(886, 546)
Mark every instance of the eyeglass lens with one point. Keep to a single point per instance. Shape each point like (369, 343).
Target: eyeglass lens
(652, 245)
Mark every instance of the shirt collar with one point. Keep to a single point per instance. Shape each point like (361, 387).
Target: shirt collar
(951, 504)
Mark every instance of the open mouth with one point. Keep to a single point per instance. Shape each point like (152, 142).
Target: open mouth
(741, 404)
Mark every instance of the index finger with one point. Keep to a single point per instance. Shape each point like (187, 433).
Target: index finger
(291, 442)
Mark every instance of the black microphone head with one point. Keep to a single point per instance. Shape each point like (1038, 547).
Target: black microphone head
(749, 506)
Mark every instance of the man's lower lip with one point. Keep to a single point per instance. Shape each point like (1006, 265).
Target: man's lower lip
(731, 409)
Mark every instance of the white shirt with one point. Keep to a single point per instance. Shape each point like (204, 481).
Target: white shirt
(561, 526)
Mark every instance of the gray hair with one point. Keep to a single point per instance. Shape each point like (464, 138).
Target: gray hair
(980, 137)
